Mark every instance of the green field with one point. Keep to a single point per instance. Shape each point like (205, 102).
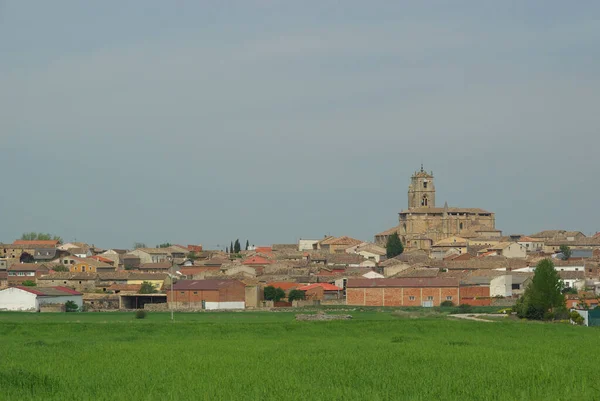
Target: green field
(269, 356)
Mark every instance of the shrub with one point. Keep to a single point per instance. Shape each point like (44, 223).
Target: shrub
(465, 308)
(147, 288)
(71, 306)
(576, 318)
(140, 314)
(296, 294)
(274, 294)
(28, 283)
(447, 303)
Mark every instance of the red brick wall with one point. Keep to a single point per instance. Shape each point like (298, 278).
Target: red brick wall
(355, 296)
(475, 295)
(236, 292)
(394, 296)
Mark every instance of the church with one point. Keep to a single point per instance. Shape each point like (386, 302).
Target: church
(423, 224)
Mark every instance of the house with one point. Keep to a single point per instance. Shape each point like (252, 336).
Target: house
(508, 250)
(440, 249)
(34, 298)
(338, 245)
(80, 252)
(372, 274)
(208, 294)
(21, 272)
(286, 286)
(257, 261)
(307, 244)
(322, 292)
(161, 267)
(129, 261)
(158, 280)
(402, 291)
(151, 255)
(103, 259)
(85, 265)
(577, 300)
(573, 279)
(45, 255)
(368, 251)
(83, 282)
(531, 244)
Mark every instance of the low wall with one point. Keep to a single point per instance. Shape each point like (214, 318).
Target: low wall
(52, 308)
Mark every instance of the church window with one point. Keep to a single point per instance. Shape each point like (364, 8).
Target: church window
(461, 226)
(425, 184)
(424, 201)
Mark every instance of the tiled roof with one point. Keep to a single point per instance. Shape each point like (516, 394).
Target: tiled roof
(284, 285)
(49, 291)
(451, 241)
(209, 285)
(154, 266)
(69, 276)
(21, 267)
(154, 251)
(571, 275)
(35, 242)
(325, 286)
(402, 282)
(257, 260)
(428, 210)
(124, 287)
(345, 240)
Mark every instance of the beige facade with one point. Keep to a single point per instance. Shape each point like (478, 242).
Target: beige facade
(423, 223)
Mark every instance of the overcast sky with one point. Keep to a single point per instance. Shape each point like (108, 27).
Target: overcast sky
(207, 121)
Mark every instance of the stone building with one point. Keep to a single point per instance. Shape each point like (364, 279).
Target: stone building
(423, 224)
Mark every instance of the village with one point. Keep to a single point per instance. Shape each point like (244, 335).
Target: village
(447, 257)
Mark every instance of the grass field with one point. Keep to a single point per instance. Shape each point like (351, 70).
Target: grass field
(269, 356)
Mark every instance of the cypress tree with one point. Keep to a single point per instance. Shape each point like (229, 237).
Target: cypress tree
(247, 244)
(231, 247)
(236, 247)
(393, 246)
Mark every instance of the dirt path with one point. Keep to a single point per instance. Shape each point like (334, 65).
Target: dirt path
(475, 316)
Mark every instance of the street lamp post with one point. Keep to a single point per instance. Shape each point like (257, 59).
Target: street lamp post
(171, 278)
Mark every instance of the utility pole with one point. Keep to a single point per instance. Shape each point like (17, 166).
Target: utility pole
(172, 293)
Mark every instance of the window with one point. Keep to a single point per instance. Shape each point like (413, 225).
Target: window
(182, 292)
(11, 273)
(425, 184)
(30, 274)
(195, 292)
(65, 282)
(449, 298)
(411, 298)
(20, 273)
(430, 298)
(461, 226)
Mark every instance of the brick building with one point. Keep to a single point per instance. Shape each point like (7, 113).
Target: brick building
(208, 294)
(402, 291)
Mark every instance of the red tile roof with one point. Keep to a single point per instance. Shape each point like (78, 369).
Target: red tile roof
(284, 285)
(326, 287)
(257, 260)
(35, 242)
(49, 291)
(102, 259)
(263, 249)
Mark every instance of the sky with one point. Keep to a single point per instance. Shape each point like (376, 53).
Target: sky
(206, 121)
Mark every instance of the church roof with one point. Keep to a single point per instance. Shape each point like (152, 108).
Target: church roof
(426, 209)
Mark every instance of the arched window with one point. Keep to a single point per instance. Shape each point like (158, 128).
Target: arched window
(461, 226)
(424, 201)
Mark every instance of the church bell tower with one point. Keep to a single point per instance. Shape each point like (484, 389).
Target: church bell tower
(421, 191)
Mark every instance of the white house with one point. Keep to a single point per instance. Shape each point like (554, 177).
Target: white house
(307, 244)
(372, 275)
(30, 298)
(509, 250)
(368, 251)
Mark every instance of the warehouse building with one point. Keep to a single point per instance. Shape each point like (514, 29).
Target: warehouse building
(34, 298)
(427, 292)
(208, 294)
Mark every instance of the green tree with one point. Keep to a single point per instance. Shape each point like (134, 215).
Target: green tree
(566, 251)
(71, 306)
(192, 256)
(247, 244)
(164, 245)
(543, 295)
(148, 288)
(60, 268)
(274, 294)
(129, 267)
(237, 247)
(26, 257)
(33, 236)
(226, 249)
(137, 245)
(393, 246)
(231, 247)
(296, 295)
(28, 283)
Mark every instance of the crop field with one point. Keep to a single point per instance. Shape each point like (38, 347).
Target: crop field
(270, 356)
